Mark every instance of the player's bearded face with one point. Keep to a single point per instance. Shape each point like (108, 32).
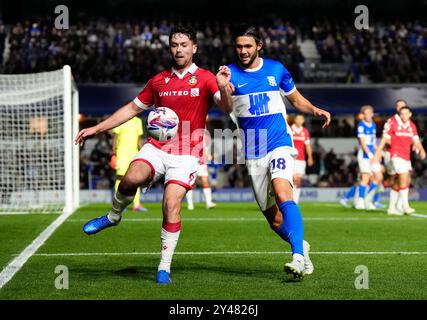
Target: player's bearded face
(182, 50)
(247, 50)
(405, 115)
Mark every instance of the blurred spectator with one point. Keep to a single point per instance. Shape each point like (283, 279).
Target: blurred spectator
(101, 51)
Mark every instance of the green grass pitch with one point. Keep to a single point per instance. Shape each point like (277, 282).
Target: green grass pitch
(225, 253)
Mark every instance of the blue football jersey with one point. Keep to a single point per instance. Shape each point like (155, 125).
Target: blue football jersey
(369, 132)
(259, 108)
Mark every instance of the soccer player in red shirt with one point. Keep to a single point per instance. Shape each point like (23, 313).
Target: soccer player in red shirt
(391, 177)
(189, 91)
(391, 173)
(301, 139)
(400, 134)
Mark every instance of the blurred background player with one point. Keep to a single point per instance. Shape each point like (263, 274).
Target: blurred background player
(370, 172)
(391, 175)
(301, 139)
(203, 177)
(127, 140)
(400, 134)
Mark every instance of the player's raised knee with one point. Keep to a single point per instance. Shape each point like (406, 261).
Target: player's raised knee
(171, 205)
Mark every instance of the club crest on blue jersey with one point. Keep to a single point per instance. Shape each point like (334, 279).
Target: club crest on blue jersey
(272, 81)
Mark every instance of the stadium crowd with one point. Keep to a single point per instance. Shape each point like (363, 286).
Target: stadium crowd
(387, 52)
(102, 51)
(128, 52)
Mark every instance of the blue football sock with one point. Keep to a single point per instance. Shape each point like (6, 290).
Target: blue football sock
(377, 197)
(362, 191)
(292, 227)
(372, 186)
(350, 193)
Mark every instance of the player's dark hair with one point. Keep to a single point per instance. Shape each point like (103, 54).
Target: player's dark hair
(405, 108)
(187, 30)
(400, 100)
(244, 30)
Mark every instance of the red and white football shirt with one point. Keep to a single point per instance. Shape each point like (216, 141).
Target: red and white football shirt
(387, 126)
(189, 94)
(301, 137)
(401, 136)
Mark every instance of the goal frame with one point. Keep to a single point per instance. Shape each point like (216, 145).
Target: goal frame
(71, 151)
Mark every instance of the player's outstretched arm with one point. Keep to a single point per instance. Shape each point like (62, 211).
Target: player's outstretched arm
(379, 151)
(418, 148)
(365, 147)
(309, 151)
(225, 102)
(122, 115)
(303, 105)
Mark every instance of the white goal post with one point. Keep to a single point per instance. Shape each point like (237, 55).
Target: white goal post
(39, 163)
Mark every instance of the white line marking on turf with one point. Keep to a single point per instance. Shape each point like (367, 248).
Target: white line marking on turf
(16, 264)
(259, 219)
(419, 215)
(231, 253)
(25, 212)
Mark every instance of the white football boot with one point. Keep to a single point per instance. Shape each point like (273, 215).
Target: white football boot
(360, 204)
(296, 266)
(308, 265)
(408, 210)
(392, 211)
(210, 205)
(370, 206)
(344, 203)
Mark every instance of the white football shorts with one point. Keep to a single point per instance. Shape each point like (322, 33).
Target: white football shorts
(388, 164)
(203, 171)
(278, 163)
(300, 166)
(178, 169)
(365, 165)
(401, 165)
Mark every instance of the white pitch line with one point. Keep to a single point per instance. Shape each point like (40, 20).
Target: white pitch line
(231, 253)
(255, 219)
(419, 215)
(16, 264)
(26, 213)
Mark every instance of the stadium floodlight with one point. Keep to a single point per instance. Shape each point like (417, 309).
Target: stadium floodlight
(39, 163)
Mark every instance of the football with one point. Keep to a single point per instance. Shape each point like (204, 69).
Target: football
(162, 123)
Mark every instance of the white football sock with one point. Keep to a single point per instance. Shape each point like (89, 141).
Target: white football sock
(120, 202)
(169, 241)
(404, 195)
(208, 195)
(394, 196)
(297, 192)
(189, 197)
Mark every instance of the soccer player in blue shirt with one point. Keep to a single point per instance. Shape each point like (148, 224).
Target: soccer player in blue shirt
(260, 112)
(370, 171)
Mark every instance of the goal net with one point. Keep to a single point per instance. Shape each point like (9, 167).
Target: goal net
(39, 164)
